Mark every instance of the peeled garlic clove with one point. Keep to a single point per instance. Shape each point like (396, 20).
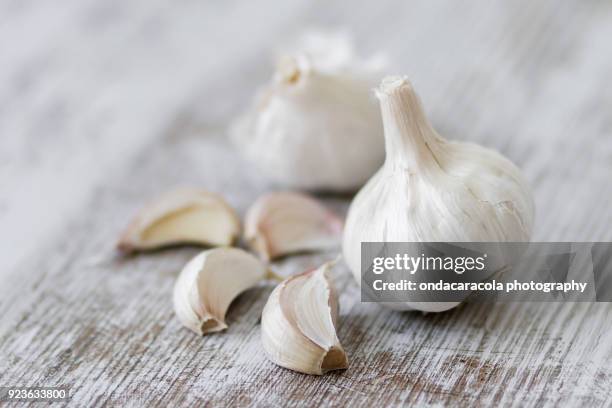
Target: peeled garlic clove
(315, 126)
(298, 325)
(433, 190)
(208, 284)
(282, 223)
(182, 217)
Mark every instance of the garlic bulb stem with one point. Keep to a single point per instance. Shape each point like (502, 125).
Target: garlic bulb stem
(410, 140)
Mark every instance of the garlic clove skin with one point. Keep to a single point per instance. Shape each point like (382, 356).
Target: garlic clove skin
(433, 190)
(185, 216)
(209, 283)
(283, 223)
(298, 326)
(316, 125)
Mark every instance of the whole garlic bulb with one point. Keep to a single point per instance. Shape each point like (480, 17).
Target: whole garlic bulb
(433, 190)
(316, 126)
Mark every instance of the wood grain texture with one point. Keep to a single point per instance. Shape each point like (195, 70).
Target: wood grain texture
(103, 105)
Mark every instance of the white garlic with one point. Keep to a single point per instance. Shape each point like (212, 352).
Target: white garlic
(209, 282)
(316, 125)
(433, 190)
(282, 223)
(185, 216)
(298, 325)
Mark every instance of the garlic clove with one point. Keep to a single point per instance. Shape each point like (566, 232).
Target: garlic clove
(185, 216)
(282, 223)
(209, 283)
(298, 325)
(433, 190)
(315, 126)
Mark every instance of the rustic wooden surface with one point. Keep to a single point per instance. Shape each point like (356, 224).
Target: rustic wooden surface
(104, 104)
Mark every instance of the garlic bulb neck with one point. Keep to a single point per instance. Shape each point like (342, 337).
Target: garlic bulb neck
(410, 141)
(290, 70)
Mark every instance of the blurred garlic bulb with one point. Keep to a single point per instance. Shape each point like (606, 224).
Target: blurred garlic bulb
(210, 282)
(298, 324)
(316, 125)
(433, 190)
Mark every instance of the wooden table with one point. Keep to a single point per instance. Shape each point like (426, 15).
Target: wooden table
(104, 104)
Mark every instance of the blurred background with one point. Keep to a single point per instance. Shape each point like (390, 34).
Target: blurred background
(87, 86)
(105, 104)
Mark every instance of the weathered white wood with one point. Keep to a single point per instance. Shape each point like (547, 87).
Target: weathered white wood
(105, 104)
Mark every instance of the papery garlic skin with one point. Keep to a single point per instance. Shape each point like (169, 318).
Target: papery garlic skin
(434, 190)
(316, 125)
(282, 223)
(298, 326)
(183, 216)
(209, 283)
